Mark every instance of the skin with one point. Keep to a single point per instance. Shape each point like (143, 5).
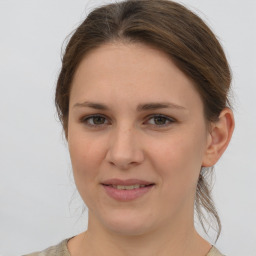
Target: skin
(125, 140)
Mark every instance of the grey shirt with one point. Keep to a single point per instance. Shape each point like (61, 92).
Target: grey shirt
(61, 249)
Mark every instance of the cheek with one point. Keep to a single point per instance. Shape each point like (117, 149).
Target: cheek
(179, 174)
(84, 150)
(86, 156)
(179, 161)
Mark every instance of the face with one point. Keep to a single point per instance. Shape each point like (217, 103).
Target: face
(137, 138)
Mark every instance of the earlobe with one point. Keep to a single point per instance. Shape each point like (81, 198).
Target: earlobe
(220, 135)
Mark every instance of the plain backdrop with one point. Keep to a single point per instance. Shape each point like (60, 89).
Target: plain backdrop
(38, 203)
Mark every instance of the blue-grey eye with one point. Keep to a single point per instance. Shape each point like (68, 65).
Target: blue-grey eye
(160, 120)
(95, 120)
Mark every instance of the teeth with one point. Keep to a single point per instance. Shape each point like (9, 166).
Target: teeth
(128, 187)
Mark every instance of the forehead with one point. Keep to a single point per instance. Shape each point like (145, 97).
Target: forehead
(119, 58)
(118, 70)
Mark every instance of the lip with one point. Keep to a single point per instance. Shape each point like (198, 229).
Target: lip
(127, 182)
(126, 195)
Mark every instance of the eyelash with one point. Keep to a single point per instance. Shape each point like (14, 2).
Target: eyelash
(167, 119)
(86, 120)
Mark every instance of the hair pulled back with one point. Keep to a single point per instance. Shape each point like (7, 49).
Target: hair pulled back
(167, 26)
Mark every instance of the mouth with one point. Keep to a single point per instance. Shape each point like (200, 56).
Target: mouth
(126, 190)
(130, 187)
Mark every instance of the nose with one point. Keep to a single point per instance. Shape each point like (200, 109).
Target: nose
(124, 150)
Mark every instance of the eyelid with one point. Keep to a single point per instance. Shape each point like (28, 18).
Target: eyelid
(84, 120)
(168, 118)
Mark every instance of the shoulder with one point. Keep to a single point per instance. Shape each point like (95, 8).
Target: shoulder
(60, 249)
(214, 252)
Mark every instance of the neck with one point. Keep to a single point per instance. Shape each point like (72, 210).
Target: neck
(171, 240)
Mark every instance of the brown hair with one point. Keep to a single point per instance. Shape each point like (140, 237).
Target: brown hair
(175, 30)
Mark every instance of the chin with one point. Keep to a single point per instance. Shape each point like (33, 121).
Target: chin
(129, 229)
(128, 224)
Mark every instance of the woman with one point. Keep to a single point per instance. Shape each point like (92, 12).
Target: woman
(142, 96)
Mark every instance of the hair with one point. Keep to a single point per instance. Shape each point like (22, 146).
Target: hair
(176, 31)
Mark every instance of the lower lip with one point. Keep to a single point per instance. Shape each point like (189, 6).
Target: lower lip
(126, 195)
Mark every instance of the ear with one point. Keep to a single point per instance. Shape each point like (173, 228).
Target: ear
(219, 137)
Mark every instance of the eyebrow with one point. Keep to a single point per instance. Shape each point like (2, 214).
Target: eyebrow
(140, 107)
(155, 106)
(93, 105)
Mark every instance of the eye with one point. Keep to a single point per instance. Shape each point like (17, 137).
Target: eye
(160, 120)
(94, 120)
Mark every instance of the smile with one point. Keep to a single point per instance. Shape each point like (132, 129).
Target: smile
(128, 187)
(126, 190)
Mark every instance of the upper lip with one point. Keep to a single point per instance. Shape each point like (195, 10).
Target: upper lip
(127, 182)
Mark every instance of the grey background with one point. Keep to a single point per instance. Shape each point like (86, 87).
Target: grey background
(38, 203)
